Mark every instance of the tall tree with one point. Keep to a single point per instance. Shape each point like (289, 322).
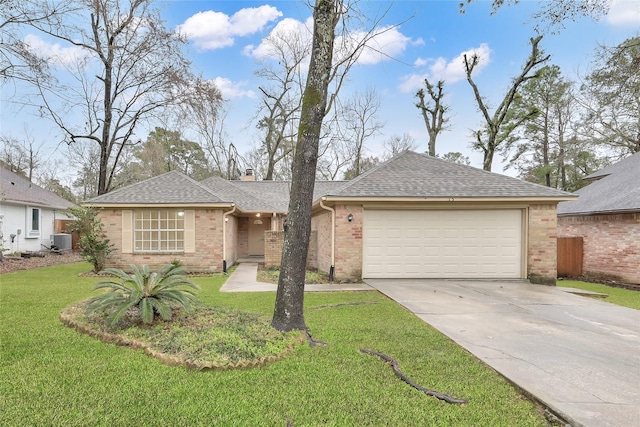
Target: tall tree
(16, 59)
(396, 144)
(500, 125)
(551, 15)
(128, 65)
(22, 157)
(281, 101)
(611, 97)
(358, 122)
(203, 113)
(164, 151)
(433, 111)
(289, 306)
(543, 151)
(334, 157)
(456, 157)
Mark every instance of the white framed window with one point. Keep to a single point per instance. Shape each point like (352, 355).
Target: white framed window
(160, 230)
(33, 223)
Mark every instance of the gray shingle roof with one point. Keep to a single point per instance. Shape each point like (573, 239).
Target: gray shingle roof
(274, 194)
(410, 174)
(617, 190)
(235, 192)
(15, 188)
(169, 188)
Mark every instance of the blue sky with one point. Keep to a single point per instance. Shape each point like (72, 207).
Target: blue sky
(225, 46)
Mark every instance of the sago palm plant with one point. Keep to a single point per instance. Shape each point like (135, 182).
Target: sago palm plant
(152, 294)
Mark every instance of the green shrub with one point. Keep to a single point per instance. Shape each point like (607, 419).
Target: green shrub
(144, 293)
(94, 245)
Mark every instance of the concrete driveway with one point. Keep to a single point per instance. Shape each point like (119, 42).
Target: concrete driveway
(580, 357)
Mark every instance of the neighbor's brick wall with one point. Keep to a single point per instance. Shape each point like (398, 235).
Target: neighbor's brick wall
(274, 242)
(207, 257)
(611, 243)
(348, 242)
(542, 252)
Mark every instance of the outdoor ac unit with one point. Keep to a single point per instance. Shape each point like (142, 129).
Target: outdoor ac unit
(61, 241)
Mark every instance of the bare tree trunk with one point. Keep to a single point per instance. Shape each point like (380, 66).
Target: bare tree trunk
(433, 112)
(288, 312)
(502, 123)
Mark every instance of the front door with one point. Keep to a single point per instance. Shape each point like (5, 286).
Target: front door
(257, 227)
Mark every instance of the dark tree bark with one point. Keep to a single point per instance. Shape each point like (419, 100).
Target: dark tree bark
(289, 307)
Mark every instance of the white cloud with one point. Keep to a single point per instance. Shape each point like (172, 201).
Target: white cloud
(624, 13)
(386, 43)
(449, 71)
(230, 89)
(413, 82)
(420, 62)
(53, 52)
(289, 30)
(214, 30)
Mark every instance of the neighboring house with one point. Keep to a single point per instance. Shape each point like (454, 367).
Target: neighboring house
(607, 217)
(27, 213)
(412, 216)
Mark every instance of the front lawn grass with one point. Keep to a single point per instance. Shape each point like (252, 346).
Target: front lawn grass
(52, 375)
(620, 296)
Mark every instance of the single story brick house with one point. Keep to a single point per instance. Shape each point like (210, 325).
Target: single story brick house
(607, 217)
(413, 216)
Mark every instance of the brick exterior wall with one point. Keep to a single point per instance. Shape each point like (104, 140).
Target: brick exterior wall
(542, 250)
(274, 242)
(611, 243)
(208, 244)
(348, 242)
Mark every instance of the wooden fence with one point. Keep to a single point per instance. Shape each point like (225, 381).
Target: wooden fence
(60, 226)
(570, 255)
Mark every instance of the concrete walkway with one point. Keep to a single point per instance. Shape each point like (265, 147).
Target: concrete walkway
(580, 357)
(243, 279)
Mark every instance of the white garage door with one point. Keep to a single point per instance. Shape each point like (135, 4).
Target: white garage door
(442, 244)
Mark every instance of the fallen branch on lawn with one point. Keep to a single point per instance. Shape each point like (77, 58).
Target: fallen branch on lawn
(344, 304)
(314, 342)
(396, 369)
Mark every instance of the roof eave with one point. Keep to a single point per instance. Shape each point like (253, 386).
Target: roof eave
(367, 199)
(36, 204)
(609, 212)
(156, 205)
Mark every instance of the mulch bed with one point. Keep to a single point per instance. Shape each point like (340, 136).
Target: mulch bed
(12, 263)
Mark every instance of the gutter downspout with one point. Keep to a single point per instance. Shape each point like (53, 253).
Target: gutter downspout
(333, 238)
(224, 238)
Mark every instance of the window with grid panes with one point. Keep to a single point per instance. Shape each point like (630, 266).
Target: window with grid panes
(159, 230)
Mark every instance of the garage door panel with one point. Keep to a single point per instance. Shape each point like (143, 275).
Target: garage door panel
(443, 244)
